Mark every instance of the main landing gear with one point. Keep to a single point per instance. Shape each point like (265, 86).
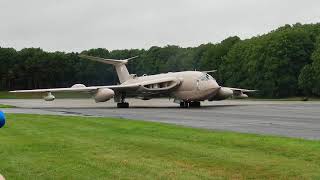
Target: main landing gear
(122, 103)
(192, 104)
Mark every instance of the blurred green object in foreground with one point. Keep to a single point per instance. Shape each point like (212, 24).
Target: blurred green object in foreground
(2, 119)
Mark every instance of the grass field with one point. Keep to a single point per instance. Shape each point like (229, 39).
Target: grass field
(58, 147)
(6, 106)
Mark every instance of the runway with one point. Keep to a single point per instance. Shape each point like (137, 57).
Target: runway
(285, 118)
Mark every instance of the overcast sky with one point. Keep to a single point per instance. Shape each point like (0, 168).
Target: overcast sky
(76, 25)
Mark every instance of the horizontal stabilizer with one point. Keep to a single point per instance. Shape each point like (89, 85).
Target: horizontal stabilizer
(107, 61)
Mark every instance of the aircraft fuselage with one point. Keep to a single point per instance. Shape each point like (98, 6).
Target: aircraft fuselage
(192, 86)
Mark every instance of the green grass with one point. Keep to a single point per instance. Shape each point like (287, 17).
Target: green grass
(57, 147)
(6, 106)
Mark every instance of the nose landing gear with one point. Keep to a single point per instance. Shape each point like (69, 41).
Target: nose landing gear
(184, 104)
(192, 104)
(195, 104)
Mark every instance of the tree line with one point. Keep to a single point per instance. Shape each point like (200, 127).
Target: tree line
(282, 63)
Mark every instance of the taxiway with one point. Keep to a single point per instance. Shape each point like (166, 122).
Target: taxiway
(285, 118)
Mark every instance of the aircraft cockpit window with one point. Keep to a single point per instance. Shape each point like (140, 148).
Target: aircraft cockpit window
(206, 77)
(210, 77)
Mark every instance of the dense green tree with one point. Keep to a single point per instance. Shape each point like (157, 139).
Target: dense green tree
(307, 80)
(282, 63)
(270, 63)
(316, 69)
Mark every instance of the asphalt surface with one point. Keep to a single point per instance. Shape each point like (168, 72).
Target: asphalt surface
(285, 118)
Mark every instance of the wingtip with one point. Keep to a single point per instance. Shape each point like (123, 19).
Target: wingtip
(134, 57)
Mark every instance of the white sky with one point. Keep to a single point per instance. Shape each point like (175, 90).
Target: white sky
(76, 25)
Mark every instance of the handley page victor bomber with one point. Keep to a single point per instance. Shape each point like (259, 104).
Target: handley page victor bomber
(188, 88)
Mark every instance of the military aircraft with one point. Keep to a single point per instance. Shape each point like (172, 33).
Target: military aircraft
(188, 88)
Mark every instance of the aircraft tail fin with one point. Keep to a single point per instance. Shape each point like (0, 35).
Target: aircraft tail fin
(120, 65)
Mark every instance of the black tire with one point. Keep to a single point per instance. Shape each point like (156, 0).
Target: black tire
(184, 104)
(123, 105)
(195, 104)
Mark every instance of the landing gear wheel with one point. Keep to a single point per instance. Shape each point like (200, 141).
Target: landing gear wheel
(184, 104)
(123, 105)
(121, 101)
(195, 104)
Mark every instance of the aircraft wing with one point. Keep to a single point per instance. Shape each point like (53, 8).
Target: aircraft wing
(242, 90)
(82, 89)
(210, 71)
(240, 93)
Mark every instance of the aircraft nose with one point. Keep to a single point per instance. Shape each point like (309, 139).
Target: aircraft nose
(214, 85)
